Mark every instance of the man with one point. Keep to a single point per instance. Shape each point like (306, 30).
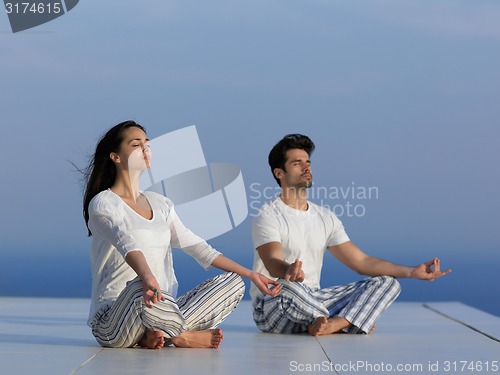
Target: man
(290, 236)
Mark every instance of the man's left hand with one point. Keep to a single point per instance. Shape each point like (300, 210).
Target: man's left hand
(430, 270)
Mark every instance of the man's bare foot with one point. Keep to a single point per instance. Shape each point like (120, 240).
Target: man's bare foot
(325, 326)
(199, 339)
(152, 340)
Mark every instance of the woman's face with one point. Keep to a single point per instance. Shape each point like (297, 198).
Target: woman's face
(135, 151)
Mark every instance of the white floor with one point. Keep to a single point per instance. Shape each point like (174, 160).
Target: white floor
(49, 336)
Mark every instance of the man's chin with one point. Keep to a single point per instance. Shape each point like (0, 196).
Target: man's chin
(305, 185)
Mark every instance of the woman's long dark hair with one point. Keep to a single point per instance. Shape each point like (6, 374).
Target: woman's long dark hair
(100, 173)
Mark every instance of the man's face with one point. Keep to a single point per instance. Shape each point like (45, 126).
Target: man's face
(297, 173)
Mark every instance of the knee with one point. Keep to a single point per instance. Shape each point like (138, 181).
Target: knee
(237, 282)
(290, 286)
(240, 285)
(239, 279)
(134, 291)
(292, 293)
(389, 282)
(396, 286)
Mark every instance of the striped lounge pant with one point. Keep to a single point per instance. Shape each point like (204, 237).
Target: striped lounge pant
(124, 323)
(298, 306)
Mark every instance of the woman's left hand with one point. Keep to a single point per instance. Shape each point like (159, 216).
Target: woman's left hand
(263, 283)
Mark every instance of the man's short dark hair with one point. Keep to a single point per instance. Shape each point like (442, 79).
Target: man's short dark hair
(277, 156)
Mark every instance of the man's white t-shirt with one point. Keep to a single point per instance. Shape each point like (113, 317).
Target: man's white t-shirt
(304, 235)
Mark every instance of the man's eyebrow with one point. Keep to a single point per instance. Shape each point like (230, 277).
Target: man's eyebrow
(296, 160)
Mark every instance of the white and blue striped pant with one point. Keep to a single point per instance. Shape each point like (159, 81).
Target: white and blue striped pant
(205, 307)
(298, 306)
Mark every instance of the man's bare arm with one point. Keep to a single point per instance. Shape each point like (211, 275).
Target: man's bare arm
(273, 257)
(354, 258)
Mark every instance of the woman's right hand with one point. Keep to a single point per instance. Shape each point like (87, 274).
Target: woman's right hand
(151, 291)
(151, 288)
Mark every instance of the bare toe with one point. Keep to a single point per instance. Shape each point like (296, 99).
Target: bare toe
(217, 337)
(152, 340)
(317, 327)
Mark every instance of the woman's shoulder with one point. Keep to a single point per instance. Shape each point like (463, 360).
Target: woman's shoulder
(105, 202)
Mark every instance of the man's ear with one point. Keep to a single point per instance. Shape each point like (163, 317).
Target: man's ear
(114, 157)
(278, 173)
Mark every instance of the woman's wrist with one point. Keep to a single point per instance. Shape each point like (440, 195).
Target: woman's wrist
(147, 278)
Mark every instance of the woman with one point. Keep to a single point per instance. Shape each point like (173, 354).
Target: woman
(133, 281)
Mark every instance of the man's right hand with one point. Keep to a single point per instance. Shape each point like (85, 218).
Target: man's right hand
(294, 272)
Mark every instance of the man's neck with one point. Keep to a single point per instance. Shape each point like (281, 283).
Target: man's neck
(295, 198)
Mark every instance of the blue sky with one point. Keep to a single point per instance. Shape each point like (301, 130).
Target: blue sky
(398, 95)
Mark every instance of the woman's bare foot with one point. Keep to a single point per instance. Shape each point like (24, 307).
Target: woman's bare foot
(199, 339)
(152, 340)
(325, 326)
